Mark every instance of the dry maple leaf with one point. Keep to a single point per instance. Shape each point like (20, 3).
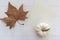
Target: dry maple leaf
(9, 22)
(14, 15)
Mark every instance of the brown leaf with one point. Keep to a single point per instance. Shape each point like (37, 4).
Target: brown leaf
(14, 15)
(9, 21)
(22, 13)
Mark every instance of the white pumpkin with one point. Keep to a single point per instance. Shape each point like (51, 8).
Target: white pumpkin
(42, 29)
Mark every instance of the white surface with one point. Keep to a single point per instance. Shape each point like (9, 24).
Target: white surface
(39, 11)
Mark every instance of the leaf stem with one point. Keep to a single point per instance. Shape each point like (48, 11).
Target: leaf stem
(20, 23)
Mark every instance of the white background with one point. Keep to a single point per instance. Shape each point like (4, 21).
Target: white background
(39, 11)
